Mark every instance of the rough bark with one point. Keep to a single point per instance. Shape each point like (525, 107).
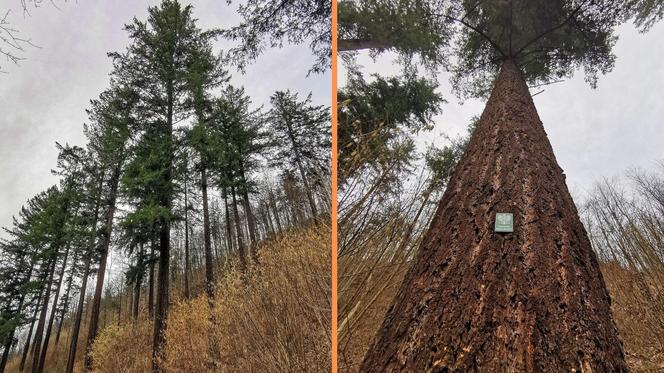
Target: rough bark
(475, 300)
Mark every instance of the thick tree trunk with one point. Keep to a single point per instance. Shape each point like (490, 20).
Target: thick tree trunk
(238, 229)
(101, 272)
(475, 300)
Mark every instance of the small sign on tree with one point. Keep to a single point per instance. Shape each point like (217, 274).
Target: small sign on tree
(504, 222)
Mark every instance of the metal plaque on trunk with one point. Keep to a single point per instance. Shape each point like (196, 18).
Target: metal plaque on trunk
(504, 222)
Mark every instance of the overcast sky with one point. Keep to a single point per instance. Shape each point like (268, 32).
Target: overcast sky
(43, 100)
(595, 133)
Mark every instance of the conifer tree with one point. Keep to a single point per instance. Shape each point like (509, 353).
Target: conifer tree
(470, 288)
(302, 132)
(158, 60)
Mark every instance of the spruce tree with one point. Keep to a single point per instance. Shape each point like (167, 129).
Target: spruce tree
(302, 132)
(158, 59)
(532, 299)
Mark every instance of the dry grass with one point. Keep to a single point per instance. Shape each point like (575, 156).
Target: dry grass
(274, 318)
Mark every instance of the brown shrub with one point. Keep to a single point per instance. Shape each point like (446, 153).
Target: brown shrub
(273, 318)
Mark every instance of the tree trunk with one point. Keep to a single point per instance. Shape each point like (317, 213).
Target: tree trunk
(476, 300)
(251, 220)
(229, 230)
(187, 269)
(10, 335)
(161, 309)
(273, 202)
(65, 303)
(300, 167)
(42, 316)
(49, 328)
(151, 281)
(238, 229)
(209, 265)
(26, 347)
(101, 272)
(138, 282)
(73, 345)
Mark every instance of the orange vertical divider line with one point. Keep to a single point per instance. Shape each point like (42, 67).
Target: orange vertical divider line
(334, 300)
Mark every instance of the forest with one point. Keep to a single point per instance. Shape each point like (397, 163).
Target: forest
(190, 232)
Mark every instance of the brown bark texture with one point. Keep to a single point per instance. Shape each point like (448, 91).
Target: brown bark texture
(533, 300)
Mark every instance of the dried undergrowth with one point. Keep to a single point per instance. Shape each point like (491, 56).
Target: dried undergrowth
(273, 318)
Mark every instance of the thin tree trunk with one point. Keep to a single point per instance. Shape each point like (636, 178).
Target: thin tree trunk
(161, 310)
(209, 265)
(238, 229)
(229, 230)
(47, 336)
(101, 272)
(273, 202)
(71, 358)
(187, 269)
(300, 167)
(26, 347)
(10, 336)
(151, 281)
(65, 304)
(73, 344)
(42, 316)
(251, 220)
(532, 300)
(137, 285)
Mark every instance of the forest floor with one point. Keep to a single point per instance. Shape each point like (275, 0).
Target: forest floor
(274, 317)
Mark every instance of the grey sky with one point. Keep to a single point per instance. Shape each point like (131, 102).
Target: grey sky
(43, 100)
(594, 132)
